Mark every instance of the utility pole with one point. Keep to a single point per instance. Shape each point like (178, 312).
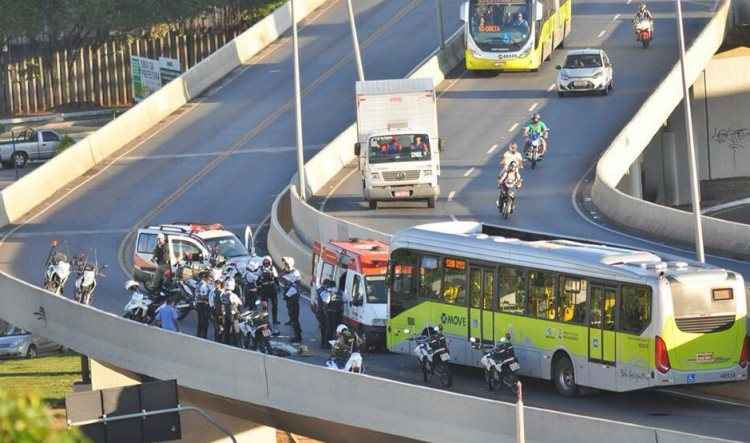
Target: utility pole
(694, 184)
(355, 40)
(441, 27)
(298, 107)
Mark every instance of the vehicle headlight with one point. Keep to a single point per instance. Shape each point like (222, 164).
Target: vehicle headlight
(375, 176)
(598, 74)
(427, 173)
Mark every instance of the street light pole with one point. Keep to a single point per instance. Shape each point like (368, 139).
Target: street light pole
(298, 107)
(694, 186)
(441, 27)
(355, 40)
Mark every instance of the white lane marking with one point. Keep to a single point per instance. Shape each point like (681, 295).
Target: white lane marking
(513, 128)
(617, 16)
(453, 217)
(335, 188)
(268, 150)
(451, 195)
(532, 107)
(492, 149)
(601, 34)
(468, 173)
(657, 245)
(551, 87)
(707, 398)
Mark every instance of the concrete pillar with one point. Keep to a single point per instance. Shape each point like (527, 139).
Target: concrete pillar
(671, 176)
(635, 178)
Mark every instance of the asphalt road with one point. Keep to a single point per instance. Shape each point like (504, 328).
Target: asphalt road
(225, 157)
(739, 214)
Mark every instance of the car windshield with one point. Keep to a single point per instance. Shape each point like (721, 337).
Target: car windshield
(399, 148)
(375, 287)
(583, 61)
(499, 25)
(7, 330)
(229, 246)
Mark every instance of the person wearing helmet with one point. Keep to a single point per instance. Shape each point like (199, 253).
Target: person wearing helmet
(203, 294)
(329, 311)
(217, 309)
(250, 281)
(643, 14)
(231, 304)
(510, 178)
(160, 256)
(537, 126)
(290, 282)
(511, 155)
(346, 342)
(268, 286)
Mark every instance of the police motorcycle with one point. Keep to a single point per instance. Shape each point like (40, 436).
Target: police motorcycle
(85, 283)
(499, 363)
(57, 270)
(433, 355)
(140, 307)
(345, 355)
(255, 329)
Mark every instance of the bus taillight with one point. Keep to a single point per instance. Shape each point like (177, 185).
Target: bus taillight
(662, 356)
(744, 353)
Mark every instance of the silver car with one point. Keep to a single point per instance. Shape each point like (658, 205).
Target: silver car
(15, 342)
(585, 70)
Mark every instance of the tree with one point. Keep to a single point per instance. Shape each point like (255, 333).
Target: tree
(24, 419)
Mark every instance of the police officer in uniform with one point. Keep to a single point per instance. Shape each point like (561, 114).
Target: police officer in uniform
(290, 283)
(268, 286)
(204, 291)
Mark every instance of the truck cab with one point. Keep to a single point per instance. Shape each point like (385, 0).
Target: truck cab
(398, 147)
(195, 242)
(358, 267)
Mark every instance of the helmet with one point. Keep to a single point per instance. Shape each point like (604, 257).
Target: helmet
(216, 274)
(130, 284)
(643, 7)
(160, 236)
(340, 329)
(229, 285)
(536, 117)
(289, 261)
(252, 266)
(267, 261)
(512, 166)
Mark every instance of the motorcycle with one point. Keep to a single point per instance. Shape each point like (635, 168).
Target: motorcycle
(506, 201)
(499, 363)
(644, 32)
(255, 329)
(433, 355)
(354, 363)
(57, 271)
(533, 147)
(140, 308)
(85, 283)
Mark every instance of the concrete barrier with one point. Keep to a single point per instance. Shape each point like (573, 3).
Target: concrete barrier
(277, 384)
(721, 236)
(305, 224)
(34, 188)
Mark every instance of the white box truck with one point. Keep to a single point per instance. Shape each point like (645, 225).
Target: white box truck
(397, 140)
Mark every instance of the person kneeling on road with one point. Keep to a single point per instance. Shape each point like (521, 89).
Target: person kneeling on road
(290, 284)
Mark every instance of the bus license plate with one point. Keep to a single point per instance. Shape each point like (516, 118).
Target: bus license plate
(401, 194)
(266, 333)
(514, 366)
(445, 357)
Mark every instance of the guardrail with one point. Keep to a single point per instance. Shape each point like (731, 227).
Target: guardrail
(34, 188)
(725, 237)
(259, 380)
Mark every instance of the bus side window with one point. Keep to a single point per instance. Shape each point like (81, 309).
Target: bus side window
(542, 295)
(512, 291)
(635, 308)
(430, 276)
(454, 283)
(403, 291)
(571, 302)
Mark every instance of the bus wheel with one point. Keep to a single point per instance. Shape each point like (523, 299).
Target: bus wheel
(563, 375)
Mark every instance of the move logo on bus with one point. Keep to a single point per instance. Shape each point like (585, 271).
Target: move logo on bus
(452, 320)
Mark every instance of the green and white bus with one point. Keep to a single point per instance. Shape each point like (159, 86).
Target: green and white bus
(497, 40)
(579, 313)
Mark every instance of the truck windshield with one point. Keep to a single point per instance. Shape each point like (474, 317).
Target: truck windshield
(375, 287)
(499, 25)
(399, 148)
(228, 246)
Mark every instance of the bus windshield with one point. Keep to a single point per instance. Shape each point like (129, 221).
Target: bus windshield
(399, 148)
(499, 25)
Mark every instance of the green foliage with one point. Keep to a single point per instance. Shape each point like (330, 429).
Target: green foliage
(23, 419)
(66, 142)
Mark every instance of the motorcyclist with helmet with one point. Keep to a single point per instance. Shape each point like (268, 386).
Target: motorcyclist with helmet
(536, 126)
(214, 303)
(250, 279)
(509, 179)
(268, 286)
(329, 311)
(204, 290)
(290, 282)
(643, 14)
(231, 304)
(346, 343)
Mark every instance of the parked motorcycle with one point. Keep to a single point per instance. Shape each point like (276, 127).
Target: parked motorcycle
(57, 270)
(255, 330)
(506, 201)
(85, 283)
(499, 363)
(433, 355)
(644, 32)
(533, 148)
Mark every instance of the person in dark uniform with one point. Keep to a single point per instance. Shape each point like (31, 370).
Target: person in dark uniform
(160, 256)
(268, 286)
(202, 306)
(290, 283)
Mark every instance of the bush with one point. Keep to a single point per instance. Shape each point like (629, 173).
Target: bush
(23, 419)
(66, 142)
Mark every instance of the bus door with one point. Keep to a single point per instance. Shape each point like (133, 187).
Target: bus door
(602, 358)
(481, 320)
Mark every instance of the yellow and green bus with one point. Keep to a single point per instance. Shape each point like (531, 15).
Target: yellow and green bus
(513, 35)
(578, 313)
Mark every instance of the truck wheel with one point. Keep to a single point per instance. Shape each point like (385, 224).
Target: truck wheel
(431, 202)
(373, 204)
(19, 159)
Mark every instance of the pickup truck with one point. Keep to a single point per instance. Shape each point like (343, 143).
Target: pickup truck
(30, 144)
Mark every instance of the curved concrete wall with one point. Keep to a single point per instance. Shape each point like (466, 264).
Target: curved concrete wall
(34, 188)
(721, 236)
(284, 385)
